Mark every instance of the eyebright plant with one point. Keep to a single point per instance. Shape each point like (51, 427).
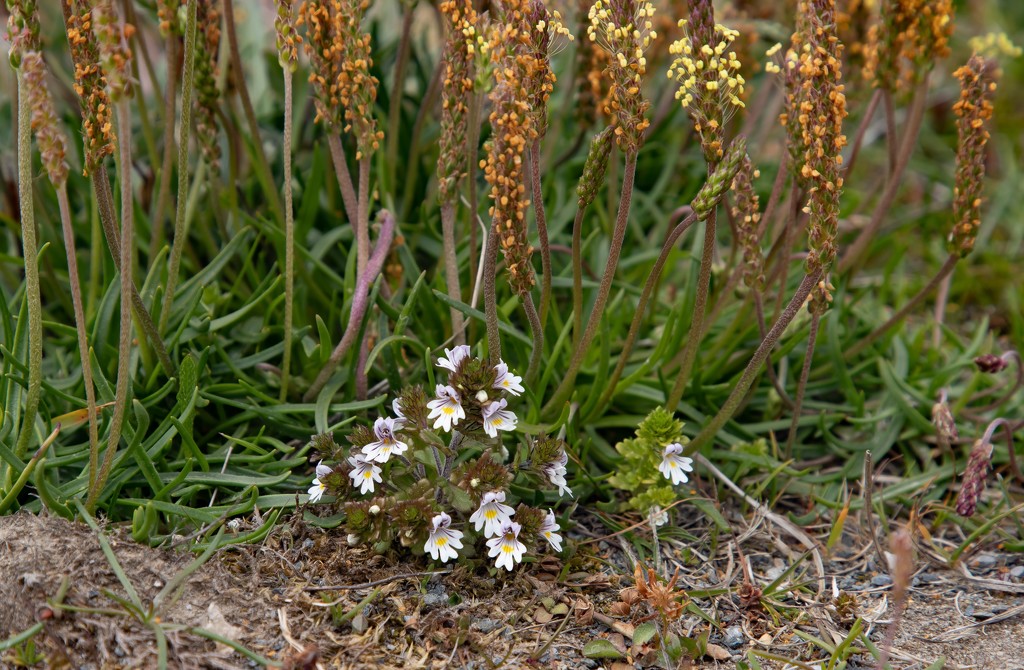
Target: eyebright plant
(653, 462)
(437, 476)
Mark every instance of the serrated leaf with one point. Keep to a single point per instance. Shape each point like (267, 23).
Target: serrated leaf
(644, 633)
(601, 649)
(460, 499)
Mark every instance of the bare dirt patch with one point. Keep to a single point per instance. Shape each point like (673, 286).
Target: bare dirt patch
(304, 588)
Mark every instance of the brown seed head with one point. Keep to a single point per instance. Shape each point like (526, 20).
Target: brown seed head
(992, 364)
(902, 563)
(746, 211)
(973, 110)
(113, 47)
(909, 37)
(945, 424)
(457, 88)
(90, 85)
(49, 137)
(624, 28)
(974, 478)
(543, 35)
(288, 38)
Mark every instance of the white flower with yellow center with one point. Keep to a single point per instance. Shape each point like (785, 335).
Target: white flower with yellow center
(674, 465)
(386, 443)
(446, 409)
(364, 473)
(443, 540)
(496, 417)
(507, 381)
(317, 490)
(549, 531)
(452, 357)
(556, 471)
(506, 547)
(492, 514)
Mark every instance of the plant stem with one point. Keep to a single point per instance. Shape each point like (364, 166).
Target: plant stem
(30, 253)
(856, 250)
(81, 326)
(896, 318)
(565, 389)
(395, 103)
(641, 307)
(363, 216)
(184, 126)
(862, 130)
(157, 216)
(124, 348)
(262, 166)
(451, 268)
(890, 131)
(699, 307)
(537, 333)
(732, 403)
(289, 237)
(801, 386)
(577, 276)
(769, 368)
(940, 311)
(490, 296)
(345, 185)
(472, 145)
(542, 232)
(360, 302)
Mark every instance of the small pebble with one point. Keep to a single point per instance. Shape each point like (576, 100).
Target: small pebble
(485, 625)
(1017, 572)
(734, 637)
(928, 578)
(984, 562)
(359, 623)
(435, 599)
(881, 580)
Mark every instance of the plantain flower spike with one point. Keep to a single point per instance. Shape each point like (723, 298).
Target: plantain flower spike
(113, 48)
(708, 72)
(22, 29)
(822, 134)
(592, 89)
(207, 95)
(624, 28)
(543, 36)
(746, 211)
(456, 91)
(973, 110)
(90, 85)
(288, 38)
(49, 137)
(904, 45)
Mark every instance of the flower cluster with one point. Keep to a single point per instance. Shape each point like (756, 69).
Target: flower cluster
(710, 83)
(543, 36)
(339, 53)
(113, 48)
(973, 110)
(22, 29)
(90, 85)
(907, 40)
(994, 45)
(420, 494)
(624, 29)
(288, 38)
(746, 211)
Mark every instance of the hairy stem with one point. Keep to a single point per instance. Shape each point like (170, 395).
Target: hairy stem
(542, 232)
(577, 276)
(565, 389)
(699, 307)
(537, 333)
(124, 347)
(490, 295)
(262, 166)
(801, 385)
(289, 237)
(944, 271)
(81, 327)
(769, 368)
(641, 306)
(862, 130)
(451, 268)
(345, 185)
(856, 250)
(472, 142)
(363, 216)
(184, 126)
(890, 131)
(732, 403)
(30, 253)
(157, 215)
(360, 303)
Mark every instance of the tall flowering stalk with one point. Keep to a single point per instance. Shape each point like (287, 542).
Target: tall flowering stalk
(623, 28)
(978, 79)
(819, 70)
(456, 98)
(917, 35)
(170, 30)
(512, 131)
(710, 85)
(100, 140)
(52, 146)
(207, 94)
(288, 40)
(23, 28)
(822, 135)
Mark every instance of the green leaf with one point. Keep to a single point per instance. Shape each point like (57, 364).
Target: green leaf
(601, 649)
(644, 633)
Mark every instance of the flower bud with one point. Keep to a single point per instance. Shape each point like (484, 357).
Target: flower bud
(595, 167)
(720, 180)
(974, 478)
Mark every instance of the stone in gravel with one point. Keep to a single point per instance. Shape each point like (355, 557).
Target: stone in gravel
(435, 598)
(984, 562)
(734, 637)
(881, 580)
(928, 578)
(359, 623)
(486, 625)
(1017, 572)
